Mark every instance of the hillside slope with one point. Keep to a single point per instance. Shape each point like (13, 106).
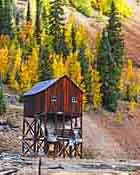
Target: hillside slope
(131, 29)
(104, 138)
(132, 33)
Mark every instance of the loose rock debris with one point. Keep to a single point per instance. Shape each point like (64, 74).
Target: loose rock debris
(16, 164)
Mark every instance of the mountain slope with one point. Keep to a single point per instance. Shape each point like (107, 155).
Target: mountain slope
(132, 33)
(131, 29)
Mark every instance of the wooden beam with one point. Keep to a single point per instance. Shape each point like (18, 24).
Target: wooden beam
(23, 132)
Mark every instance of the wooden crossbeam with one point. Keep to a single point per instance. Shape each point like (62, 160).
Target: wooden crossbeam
(63, 149)
(27, 147)
(30, 127)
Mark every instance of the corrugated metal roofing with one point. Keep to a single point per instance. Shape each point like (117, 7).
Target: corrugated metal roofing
(39, 87)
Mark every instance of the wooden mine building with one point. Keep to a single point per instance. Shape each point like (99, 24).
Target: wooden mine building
(52, 122)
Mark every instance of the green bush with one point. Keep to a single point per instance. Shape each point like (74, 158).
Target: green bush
(3, 100)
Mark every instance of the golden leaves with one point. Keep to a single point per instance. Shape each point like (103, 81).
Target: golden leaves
(4, 62)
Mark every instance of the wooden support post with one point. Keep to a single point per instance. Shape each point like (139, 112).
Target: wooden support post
(75, 122)
(55, 115)
(63, 134)
(45, 140)
(81, 123)
(75, 149)
(39, 166)
(71, 121)
(23, 132)
(35, 135)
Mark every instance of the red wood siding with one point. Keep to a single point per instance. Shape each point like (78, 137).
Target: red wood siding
(64, 89)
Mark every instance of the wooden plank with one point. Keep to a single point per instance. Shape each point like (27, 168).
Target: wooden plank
(23, 132)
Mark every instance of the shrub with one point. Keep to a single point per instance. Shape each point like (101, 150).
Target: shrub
(3, 100)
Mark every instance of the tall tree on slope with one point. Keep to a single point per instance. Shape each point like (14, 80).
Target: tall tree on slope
(6, 17)
(56, 25)
(110, 60)
(37, 21)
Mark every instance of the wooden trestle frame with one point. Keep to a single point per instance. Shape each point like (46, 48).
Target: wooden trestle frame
(35, 139)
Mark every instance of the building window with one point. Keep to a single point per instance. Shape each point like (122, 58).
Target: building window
(53, 98)
(74, 100)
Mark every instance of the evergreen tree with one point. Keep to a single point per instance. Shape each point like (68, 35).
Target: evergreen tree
(6, 17)
(3, 103)
(85, 72)
(110, 60)
(73, 38)
(28, 16)
(63, 46)
(37, 20)
(45, 65)
(44, 17)
(56, 24)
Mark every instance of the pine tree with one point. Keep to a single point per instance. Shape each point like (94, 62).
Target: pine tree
(3, 103)
(73, 38)
(45, 64)
(56, 24)
(44, 19)
(28, 16)
(37, 21)
(63, 47)
(110, 60)
(84, 57)
(70, 34)
(6, 17)
(96, 89)
(86, 72)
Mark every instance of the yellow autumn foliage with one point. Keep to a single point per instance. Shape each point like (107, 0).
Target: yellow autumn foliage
(130, 82)
(33, 64)
(73, 68)
(58, 68)
(119, 118)
(68, 29)
(24, 79)
(129, 71)
(4, 62)
(26, 31)
(28, 74)
(15, 67)
(81, 36)
(132, 105)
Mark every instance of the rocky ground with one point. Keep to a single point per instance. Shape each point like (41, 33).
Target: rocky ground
(14, 164)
